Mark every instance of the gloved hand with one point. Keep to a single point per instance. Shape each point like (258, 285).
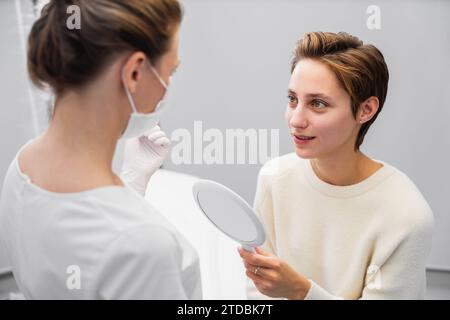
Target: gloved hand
(142, 157)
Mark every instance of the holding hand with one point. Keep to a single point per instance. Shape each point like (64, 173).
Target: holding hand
(274, 277)
(144, 156)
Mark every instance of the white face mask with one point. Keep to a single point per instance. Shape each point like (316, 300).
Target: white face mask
(139, 123)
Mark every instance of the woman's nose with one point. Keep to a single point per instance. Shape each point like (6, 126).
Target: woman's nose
(299, 117)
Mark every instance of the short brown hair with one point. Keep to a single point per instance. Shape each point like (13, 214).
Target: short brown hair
(359, 68)
(63, 58)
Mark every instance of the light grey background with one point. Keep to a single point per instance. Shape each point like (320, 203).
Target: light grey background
(234, 73)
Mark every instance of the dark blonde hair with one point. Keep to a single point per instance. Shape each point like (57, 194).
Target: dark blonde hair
(62, 58)
(359, 68)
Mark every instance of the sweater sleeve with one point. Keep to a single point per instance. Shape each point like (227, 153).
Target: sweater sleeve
(143, 263)
(402, 276)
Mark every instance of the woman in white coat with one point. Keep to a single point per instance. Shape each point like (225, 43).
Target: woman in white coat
(71, 227)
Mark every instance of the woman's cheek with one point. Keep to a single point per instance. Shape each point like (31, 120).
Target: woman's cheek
(334, 130)
(288, 115)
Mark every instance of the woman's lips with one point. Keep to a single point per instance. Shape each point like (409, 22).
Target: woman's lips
(302, 140)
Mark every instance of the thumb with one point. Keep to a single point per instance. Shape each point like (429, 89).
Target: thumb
(262, 252)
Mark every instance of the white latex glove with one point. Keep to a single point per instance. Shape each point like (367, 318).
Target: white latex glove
(142, 157)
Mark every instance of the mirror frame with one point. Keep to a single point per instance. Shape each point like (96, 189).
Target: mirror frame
(209, 185)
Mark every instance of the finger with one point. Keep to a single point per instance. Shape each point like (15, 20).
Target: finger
(262, 273)
(249, 266)
(257, 281)
(163, 141)
(150, 131)
(267, 274)
(254, 277)
(156, 135)
(260, 283)
(257, 259)
(262, 252)
(263, 287)
(156, 139)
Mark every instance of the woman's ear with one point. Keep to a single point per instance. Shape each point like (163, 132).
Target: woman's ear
(132, 70)
(368, 109)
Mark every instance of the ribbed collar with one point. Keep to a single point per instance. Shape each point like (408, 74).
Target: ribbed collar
(347, 191)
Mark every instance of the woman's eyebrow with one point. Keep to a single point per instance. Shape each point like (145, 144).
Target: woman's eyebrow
(318, 95)
(311, 95)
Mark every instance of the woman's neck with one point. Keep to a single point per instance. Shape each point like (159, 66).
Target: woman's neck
(344, 169)
(81, 127)
(77, 149)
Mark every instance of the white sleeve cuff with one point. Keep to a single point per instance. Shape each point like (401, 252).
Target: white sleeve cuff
(318, 293)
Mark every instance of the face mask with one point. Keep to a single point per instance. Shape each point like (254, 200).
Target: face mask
(139, 123)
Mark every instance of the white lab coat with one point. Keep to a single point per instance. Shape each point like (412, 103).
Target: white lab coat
(105, 243)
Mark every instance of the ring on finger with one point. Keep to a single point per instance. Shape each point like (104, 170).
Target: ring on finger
(256, 270)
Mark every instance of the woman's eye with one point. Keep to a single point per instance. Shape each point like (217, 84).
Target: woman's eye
(318, 104)
(291, 99)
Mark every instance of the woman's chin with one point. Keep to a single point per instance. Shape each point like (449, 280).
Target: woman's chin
(304, 154)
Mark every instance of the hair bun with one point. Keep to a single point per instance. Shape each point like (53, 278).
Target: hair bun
(62, 58)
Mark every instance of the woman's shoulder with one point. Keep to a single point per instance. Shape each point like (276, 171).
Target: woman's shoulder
(152, 238)
(281, 166)
(401, 185)
(128, 224)
(123, 208)
(405, 197)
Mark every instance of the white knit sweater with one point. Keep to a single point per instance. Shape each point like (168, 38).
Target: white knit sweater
(369, 240)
